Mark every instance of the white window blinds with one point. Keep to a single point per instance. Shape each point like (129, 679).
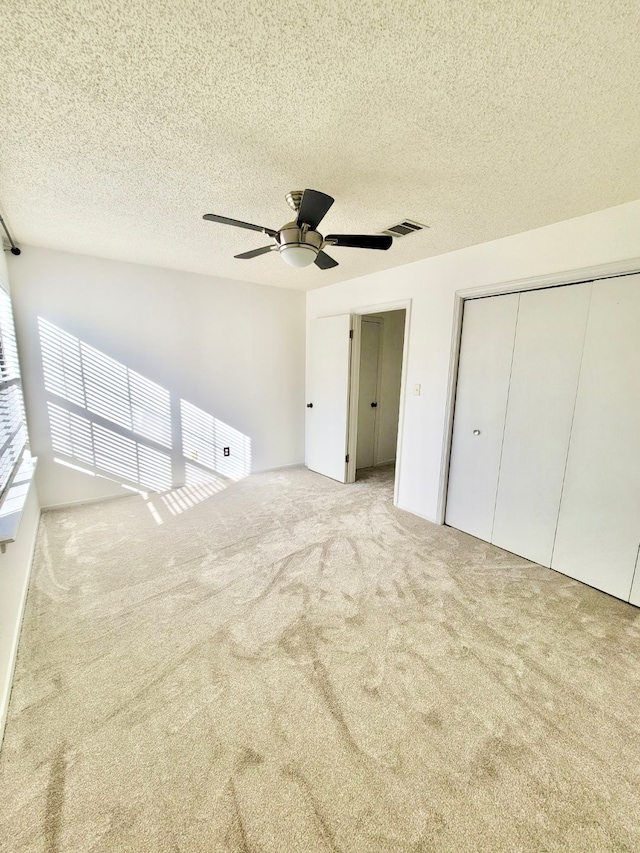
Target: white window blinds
(13, 429)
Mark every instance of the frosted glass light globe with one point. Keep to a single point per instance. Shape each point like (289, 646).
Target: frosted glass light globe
(298, 256)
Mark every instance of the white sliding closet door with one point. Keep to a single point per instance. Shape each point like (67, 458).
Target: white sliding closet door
(599, 525)
(488, 333)
(542, 393)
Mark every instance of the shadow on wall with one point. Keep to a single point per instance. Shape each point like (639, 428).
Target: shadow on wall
(108, 421)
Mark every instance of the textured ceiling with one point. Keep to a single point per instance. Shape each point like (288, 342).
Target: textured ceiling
(122, 122)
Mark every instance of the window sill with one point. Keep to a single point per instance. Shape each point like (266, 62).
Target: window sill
(14, 501)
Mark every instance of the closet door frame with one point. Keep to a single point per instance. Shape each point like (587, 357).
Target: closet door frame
(579, 276)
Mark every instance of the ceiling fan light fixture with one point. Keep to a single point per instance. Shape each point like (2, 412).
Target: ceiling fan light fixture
(298, 247)
(298, 255)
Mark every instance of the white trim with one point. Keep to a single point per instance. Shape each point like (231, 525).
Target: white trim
(139, 492)
(452, 384)
(268, 470)
(5, 699)
(400, 305)
(403, 393)
(23, 472)
(415, 512)
(83, 501)
(383, 307)
(611, 270)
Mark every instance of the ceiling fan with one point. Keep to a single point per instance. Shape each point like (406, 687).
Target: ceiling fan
(298, 241)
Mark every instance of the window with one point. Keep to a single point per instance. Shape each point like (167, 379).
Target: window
(13, 429)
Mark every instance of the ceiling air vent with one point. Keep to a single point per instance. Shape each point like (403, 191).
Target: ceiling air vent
(407, 226)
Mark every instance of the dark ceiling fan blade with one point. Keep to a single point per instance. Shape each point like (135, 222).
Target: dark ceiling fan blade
(360, 241)
(313, 208)
(254, 253)
(324, 261)
(224, 220)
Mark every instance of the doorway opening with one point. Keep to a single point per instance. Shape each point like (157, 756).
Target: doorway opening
(335, 399)
(377, 403)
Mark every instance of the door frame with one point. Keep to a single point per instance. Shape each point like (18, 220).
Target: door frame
(354, 389)
(561, 279)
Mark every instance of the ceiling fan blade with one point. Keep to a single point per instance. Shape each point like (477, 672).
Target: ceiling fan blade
(254, 253)
(324, 261)
(313, 208)
(360, 241)
(224, 220)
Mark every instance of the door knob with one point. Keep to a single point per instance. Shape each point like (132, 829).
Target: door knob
(309, 405)
(476, 432)
(374, 405)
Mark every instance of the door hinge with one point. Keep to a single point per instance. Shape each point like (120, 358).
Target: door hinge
(346, 458)
(350, 334)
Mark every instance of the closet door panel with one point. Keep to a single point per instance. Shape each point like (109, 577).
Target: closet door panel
(542, 393)
(599, 524)
(488, 332)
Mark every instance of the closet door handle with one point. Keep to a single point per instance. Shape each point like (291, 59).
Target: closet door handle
(309, 405)
(374, 405)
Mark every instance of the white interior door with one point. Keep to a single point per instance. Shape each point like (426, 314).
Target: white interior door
(368, 392)
(634, 598)
(328, 366)
(542, 393)
(599, 524)
(488, 333)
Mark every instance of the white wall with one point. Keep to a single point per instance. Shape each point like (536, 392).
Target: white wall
(598, 238)
(233, 349)
(15, 570)
(390, 376)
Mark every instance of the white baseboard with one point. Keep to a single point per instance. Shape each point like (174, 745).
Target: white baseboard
(419, 514)
(279, 468)
(87, 501)
(83, 501)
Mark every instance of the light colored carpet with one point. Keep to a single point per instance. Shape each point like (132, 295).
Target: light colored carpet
(294, 665)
